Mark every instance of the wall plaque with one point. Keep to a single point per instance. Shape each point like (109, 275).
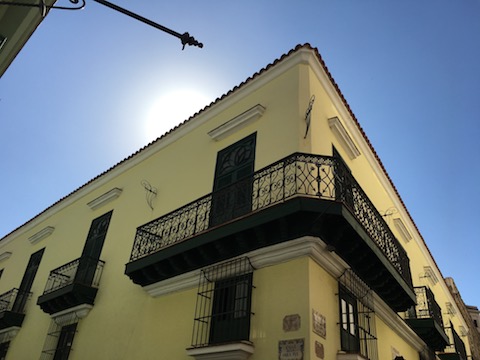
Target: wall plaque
(291, 322)
(319, 350)
(291, 349)
(319, 324)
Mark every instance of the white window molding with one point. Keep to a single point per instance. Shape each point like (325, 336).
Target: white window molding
(5, 255)
(342, 135)
(9, 333)
(450, 308)
(234, 351)
(72, 314)
(40, 235)
(349, 356)
(237, 123)
(430, 275)
(402, 229)
(105, 198)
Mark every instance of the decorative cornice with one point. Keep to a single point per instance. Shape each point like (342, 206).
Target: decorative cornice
(40, 235)
(237, 123)
(105, 198)
(234, 351)
(5, 255)
(344, 138)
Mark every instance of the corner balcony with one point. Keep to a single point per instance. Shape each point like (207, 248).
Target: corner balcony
(12, 308)
(70, 285)
(300, 195)
(426, 319)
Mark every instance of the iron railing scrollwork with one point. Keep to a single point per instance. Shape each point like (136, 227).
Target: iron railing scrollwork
(12, 301)
(427, 307)
(304, 175)
(84, 270)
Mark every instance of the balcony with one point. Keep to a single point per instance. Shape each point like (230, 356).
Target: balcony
(75, 283)
(300, 195)
(456, 349)
(12, 308)
(426, 319)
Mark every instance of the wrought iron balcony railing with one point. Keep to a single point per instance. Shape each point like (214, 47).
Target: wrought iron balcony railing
(427, 307)
(14, 301)
(456, 346)
(298, 175)
(84, 270)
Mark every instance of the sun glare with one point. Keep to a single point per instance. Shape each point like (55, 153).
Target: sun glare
(172, 108)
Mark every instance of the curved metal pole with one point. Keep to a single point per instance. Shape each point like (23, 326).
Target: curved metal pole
(185, 37)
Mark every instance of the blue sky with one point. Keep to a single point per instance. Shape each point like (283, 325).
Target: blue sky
(93, 86)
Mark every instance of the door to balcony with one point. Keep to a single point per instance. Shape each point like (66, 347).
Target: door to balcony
(232, 187)
(27, 282)
(76, 282)
(87, 265)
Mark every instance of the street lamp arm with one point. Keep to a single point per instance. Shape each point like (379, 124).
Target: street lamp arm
(185, 38)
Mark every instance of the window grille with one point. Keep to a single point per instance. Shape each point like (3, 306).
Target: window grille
(3, 349)
(59, 341)
(223, 309)
(357, 316)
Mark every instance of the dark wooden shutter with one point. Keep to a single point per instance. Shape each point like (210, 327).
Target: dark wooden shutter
(27, 281)
(232, 187)
(92, 249)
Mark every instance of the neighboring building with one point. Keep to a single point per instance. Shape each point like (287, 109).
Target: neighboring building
(17, 24)
(475, 315)
(260, 228)
(471, 316)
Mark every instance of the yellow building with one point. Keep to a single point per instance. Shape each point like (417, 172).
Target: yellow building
(261, 228)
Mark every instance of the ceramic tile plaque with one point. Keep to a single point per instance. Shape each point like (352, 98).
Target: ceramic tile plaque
(319, 324)
(291, 322)
(291, 349)
(319, 350)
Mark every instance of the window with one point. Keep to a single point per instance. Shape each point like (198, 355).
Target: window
(3, 350)
(59, 340)
(356, 317)
(348, 321)
(230, 319)
(65, 340)
(223, 310)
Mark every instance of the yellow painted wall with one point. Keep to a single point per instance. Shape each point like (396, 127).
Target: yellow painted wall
(280, 291)
(324, 300)
(127, 323)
